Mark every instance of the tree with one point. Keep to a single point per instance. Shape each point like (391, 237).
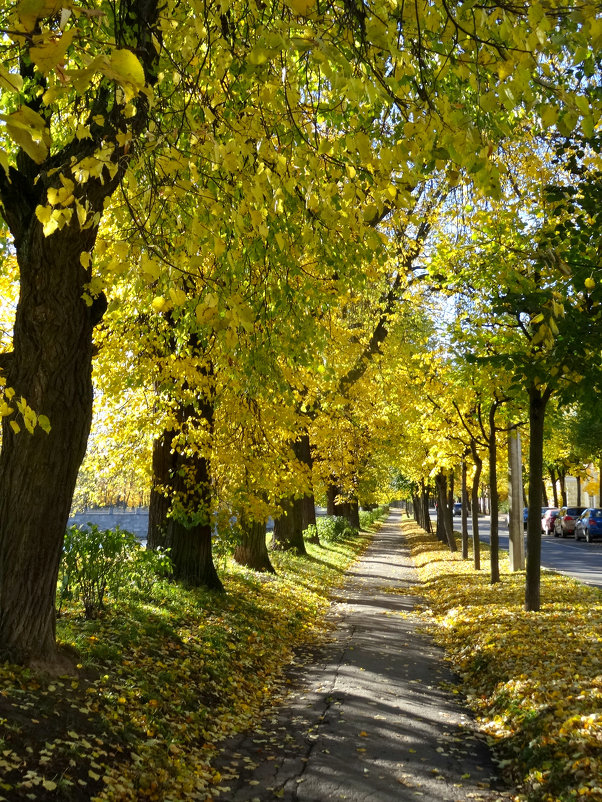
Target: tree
(75, 107)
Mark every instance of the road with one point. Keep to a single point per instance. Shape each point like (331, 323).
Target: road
(578, 559)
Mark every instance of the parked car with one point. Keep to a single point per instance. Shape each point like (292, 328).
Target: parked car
(547, 521)
(589, 524)
(565, 521)
(457, 508)
(525, 516)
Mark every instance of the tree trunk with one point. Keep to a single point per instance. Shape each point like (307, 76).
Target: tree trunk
(180, 514)
(288, 531)
(537, 410)
(252, 551)
(493, 499)
(554, 487)
(544, 494)
(331, 494)
(447, 522)
(562, 481)
(578, 478)
(354, 513)
(51, 368)
(476, 543)
(163, 468)
(450, 503)
(464, 511)
(427, 526)
(302, 449)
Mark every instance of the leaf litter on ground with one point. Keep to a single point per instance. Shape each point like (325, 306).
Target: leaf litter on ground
(162, 680)
(534, 680)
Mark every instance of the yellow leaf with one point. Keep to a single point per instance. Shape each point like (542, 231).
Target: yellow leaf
(51, 53)
(10, 81)
(125, 68)
(28, 130)
(301, 7)
(15, 427)
(44, 423)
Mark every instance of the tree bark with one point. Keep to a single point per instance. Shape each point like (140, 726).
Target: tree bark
(426, 525)
(493, 499)
(537, 410)
(476, 543)
(554, 487)
(464, 511)
(288, 531)
(180, 513)
(302, 449)
(52, 350)
(51, 369)
(163, 468)
(448, 529)
(578, 478)
(252, 551)
(562, 481)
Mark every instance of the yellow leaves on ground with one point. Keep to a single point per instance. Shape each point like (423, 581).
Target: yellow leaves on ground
(534, 679)
(167, 677)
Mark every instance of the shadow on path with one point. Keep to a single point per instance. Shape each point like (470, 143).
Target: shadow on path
(372, 721)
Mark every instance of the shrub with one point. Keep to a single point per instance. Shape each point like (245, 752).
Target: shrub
(367, 518)
(332, 528)
(96, 560)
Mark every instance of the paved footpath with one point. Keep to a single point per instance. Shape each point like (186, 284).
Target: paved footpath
(371, 718)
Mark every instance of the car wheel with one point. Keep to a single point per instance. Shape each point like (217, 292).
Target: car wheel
(588, 537)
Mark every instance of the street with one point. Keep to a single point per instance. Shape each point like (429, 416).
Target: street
(578, 559)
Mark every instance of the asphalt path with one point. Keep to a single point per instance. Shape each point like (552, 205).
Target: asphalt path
(578, 559)
(373, 717)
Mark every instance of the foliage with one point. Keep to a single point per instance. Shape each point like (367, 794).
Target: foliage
(99, 560)
(332, 528)
(534, 681)
(162, 681)
(369, 517)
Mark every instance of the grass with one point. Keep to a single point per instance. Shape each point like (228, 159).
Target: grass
(534, 680)
(161, 681)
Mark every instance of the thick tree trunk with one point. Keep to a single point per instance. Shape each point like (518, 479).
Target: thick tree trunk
(578, 491)
(163, 468)
(537, 410)
(180, 514)
(302, 449)
(252, 551)
(331, 494)
(288, 528)
(494, 538)
(476, 543)
(51, 368)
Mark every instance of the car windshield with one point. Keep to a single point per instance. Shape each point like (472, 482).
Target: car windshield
(575, 510)
(597, 513)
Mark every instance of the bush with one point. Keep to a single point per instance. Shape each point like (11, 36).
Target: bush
(96, 560)
(333, 528)
(367, 518)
